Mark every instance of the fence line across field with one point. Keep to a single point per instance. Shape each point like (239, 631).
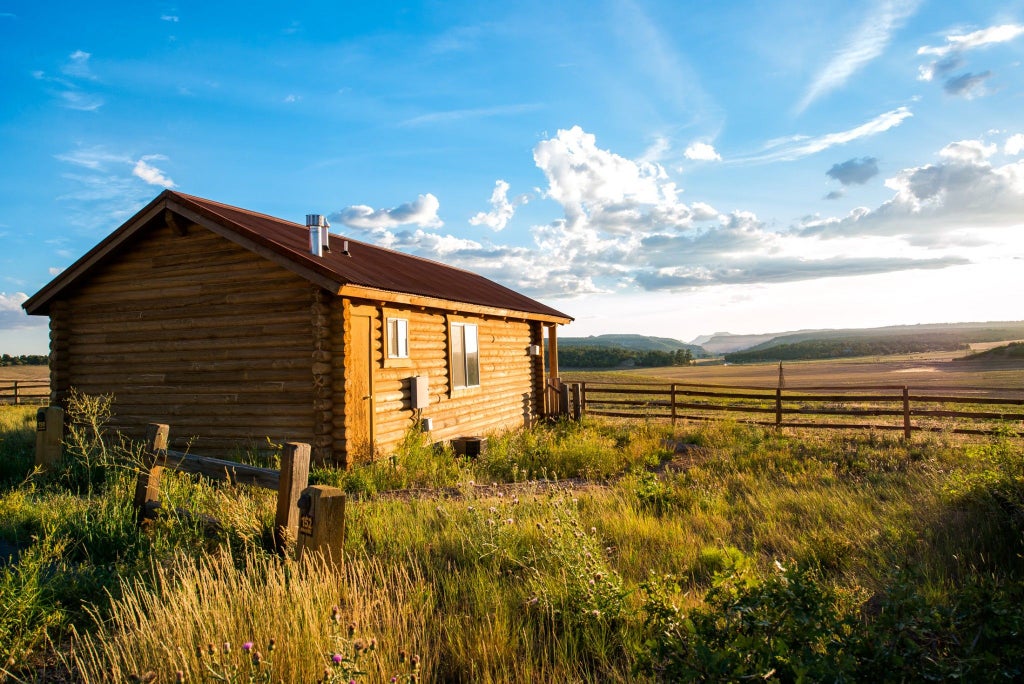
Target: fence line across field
(697, 401)
(24, 392)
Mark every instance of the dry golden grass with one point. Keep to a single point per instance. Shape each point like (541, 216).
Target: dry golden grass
(27, 373)
(931, 370)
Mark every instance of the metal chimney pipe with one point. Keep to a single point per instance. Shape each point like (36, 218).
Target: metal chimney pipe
(317, 233)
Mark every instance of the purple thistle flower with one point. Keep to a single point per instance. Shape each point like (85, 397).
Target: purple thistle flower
(337, 658)
(247, 646)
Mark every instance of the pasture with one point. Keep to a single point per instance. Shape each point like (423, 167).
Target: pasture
(601, 551)
(932, 370)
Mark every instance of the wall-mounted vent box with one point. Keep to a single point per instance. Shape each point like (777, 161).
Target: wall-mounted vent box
(419, 393)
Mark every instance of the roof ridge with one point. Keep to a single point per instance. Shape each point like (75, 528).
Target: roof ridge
(204, 201)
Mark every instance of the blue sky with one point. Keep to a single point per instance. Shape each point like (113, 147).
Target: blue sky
(665, 168)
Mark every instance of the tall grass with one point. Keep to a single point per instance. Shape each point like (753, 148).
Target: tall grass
(584, 574)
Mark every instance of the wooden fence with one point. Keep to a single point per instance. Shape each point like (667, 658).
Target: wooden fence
(289, 482)
(962, 410)
(24, 392)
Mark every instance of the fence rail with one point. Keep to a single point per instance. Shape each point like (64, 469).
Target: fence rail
(31, 392)
(961, 410)
(289, 482)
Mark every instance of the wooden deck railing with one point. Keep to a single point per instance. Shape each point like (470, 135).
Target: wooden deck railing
(961, 410)
(24, 392)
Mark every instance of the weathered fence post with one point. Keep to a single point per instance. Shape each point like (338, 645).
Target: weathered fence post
(49, 436)
(17, 399)
(563, 399)
(294, 479)
(147, 488)
(906, 413)
(778, 407)
(583, 398)
(574, 392)
(322, 523)
(673, 392)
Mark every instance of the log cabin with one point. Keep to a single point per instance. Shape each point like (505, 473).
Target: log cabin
(236, 328)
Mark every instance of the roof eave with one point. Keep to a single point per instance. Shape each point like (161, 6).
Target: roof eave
(404, 298)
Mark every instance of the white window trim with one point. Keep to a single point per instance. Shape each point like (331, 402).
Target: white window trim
(459, 328)
(397, 333)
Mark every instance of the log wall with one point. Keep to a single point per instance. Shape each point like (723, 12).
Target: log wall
(186, 328)
(508, 375)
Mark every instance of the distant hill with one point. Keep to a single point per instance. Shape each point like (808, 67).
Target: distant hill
(723, 342)
(901, 339)
(635, 342)
(1013, 351)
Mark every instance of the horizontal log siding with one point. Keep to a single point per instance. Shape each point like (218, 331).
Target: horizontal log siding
(198, 333)
(503, 400)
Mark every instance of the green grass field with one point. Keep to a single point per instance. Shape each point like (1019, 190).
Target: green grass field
(602, 552)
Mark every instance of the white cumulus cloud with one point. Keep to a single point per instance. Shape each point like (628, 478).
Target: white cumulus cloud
(702, 151)
(420, 212)
(1014, 144)
(502, 209)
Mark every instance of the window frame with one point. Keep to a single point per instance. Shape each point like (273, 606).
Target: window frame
(387, 315)
(401, 332)
(459, 356)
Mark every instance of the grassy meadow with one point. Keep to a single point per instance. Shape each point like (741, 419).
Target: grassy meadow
(600, 551)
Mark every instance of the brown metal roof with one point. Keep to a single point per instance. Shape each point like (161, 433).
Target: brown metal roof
(368, 266)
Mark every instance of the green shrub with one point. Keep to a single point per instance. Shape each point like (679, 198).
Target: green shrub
(790, 626)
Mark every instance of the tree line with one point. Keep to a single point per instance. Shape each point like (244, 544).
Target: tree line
(831, 349)
(24, 360)
(614, 357)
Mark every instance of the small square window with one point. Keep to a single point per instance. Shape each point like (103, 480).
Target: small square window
(398, 338)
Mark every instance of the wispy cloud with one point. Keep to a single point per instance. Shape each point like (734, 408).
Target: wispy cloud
(106, 187)
(976, 39)
(68, 88)
(866, 43)
(796, 147)
(151, 174)
(949, 57)
(454, 115)
(173, 18)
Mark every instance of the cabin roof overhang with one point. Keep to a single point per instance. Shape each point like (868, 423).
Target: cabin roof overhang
(375, 274)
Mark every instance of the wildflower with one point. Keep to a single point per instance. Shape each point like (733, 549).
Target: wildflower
(227, 647)
(337, 659)
(247, 646)
(508, 521)
(351, 629)
(593, 530)
(336, 615)
(373, 644)
(271, 645)
(469, 509)
(257, 658)
(492, 509)
(179, 677)
(359, 645)
(401, 655)
(209, 648)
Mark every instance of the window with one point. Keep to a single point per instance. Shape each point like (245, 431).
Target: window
(398, 338)
(465, 356)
